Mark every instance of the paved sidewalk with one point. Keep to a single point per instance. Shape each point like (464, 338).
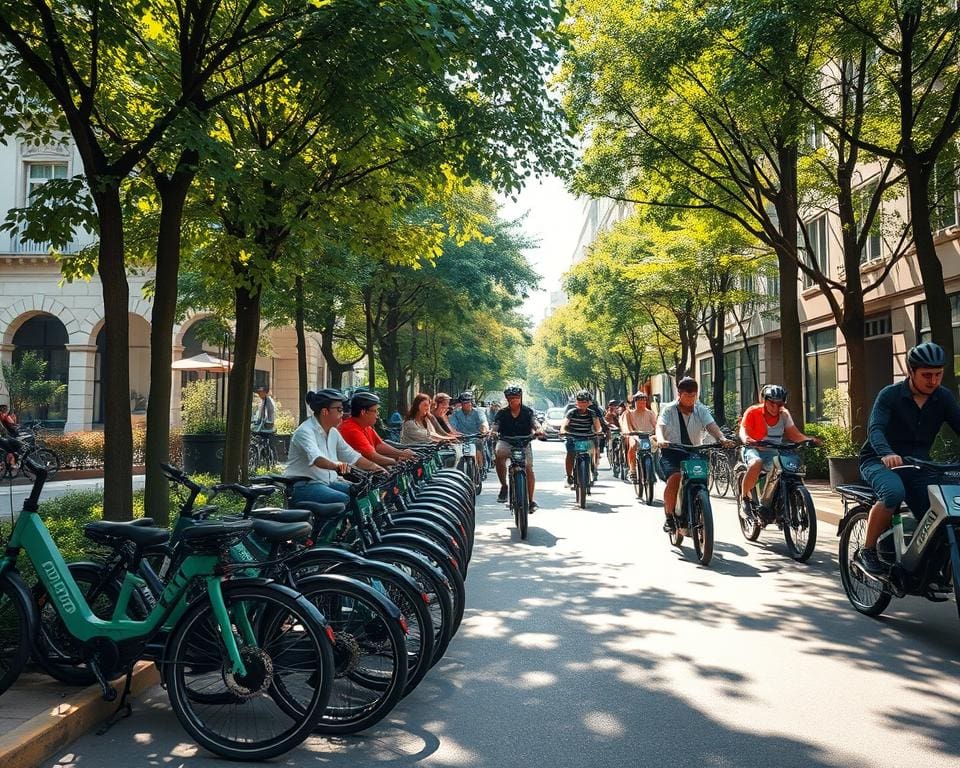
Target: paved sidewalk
(12, 495)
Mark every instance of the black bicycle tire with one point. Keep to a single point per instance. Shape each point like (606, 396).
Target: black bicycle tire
(798, 491)
(16, 602)
(522, 504)
(702, 533)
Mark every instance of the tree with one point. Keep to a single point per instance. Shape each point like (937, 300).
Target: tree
(28, 385)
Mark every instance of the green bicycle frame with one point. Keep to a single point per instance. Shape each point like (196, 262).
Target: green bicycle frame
(31, 535)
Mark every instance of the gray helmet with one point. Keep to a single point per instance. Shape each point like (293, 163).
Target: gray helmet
(775, 392)
(926, 355)
(584, 395)
(361, 400)
(323, 398)
(465, 397)
(510, 391)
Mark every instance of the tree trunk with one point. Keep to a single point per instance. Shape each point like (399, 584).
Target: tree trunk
(117, 433)
(301, 346)
(791, 342)
(173, 196)
(369, 340)
(931, 270)
(715, 339)
(247, 334)
(336, 368)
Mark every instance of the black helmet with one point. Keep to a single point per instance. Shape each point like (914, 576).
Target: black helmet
(511, 391)
(323, 398)
(612, 403)
(465, 397)
(361, 400)
(687, 384)
(926, 355)
(775, 392)
(584, 395)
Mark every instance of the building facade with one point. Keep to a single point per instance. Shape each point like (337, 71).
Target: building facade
(62, 322)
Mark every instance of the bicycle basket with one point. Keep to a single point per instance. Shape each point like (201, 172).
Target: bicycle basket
(695, 468)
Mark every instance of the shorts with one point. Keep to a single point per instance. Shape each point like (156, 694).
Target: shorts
(669, 461)
(751, 455)
(570, 442)
(503, 451)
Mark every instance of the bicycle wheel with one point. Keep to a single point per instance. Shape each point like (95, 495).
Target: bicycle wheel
(749, 524)
(583, 481)
(702, 533)
(521, 503)
(648, 479)
(800, 524)
(865, 593)
(721, 474)
(289, 673)
(46, 459)
(369, 652)
(638, 488)
(18, 627)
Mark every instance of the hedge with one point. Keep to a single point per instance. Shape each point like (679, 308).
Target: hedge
(84, 450)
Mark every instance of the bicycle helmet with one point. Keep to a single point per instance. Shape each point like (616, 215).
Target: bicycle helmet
(926, 355)
(513, 391)
(641, 394)
(323, 398)
(465, 397)
(362, 400)
(775, 392)
(612, 403)
(584, 395)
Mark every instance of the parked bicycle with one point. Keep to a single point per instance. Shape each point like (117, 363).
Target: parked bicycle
(693, 514)
(722, 464)
(262, 453)
(30, 438)
(247, 663)
(784, 500)
(920, 548)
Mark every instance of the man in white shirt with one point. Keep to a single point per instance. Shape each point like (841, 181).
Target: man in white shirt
(696, 419)
(319, 452)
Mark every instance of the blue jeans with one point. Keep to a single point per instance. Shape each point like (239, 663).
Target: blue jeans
(321, 493)
(751, 455)
(892, 488)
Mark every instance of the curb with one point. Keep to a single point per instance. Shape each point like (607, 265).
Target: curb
(29, 744)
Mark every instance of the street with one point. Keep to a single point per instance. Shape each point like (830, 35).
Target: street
(595, 643)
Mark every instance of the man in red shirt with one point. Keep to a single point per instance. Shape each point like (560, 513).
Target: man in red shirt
(359, 434)
(766, 420)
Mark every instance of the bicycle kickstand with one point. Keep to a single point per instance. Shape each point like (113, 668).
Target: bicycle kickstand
(123, 710)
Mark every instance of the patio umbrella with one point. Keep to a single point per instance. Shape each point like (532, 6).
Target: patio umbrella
(202, 362)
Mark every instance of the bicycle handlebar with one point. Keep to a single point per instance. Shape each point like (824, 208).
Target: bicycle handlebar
(788, 446)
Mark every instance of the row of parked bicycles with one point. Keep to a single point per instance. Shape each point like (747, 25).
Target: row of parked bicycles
(267, 623)
(31, 437)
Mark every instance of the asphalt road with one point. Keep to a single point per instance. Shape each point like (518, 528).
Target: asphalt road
(594, 643)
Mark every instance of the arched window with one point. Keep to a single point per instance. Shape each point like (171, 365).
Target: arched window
(47, 337)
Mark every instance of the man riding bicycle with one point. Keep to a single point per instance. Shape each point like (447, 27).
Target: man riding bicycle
(905, 420)
(580, 421)
(637, 419)
(469, 420)
(767, 420)
(683, 422)
(515, 420)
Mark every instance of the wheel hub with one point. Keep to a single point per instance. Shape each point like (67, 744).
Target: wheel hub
(259, 676)
(346, 653)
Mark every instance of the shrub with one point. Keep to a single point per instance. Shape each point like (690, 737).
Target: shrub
(84, 450)
(284, 421)
(201, 413)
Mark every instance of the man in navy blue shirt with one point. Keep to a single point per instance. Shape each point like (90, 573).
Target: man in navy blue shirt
(905, 420)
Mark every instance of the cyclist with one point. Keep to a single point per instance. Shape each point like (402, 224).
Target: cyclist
(637, 419)
(905, 419)
(319, 452)
(8, 422)
(610, 415)
(515, 420)
(440, 414)
(682, 421)
(419, 425)
(264, 422)
(469, 420)
(767, 420)
(579, 421)
(604, 428)
(360, 435)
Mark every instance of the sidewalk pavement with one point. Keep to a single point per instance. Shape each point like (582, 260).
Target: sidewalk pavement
(13, 494)
(38, 715)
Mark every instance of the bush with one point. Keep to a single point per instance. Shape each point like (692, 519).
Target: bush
(201, 414)
(84, 450)
(815, 457)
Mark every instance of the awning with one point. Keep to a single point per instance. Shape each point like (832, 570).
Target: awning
(202, 362)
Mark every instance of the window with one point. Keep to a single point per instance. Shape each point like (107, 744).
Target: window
(876, 326)
(730, 372)
(816, 252)
(706, 380)
(943, 192)
(923, 326)
(261, 379)
(46, 336)
(872, 247)
(39, 174)
(815, 137)
(820, 369)
(749, 376)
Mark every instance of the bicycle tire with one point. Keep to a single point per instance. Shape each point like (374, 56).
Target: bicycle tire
(721, 475)
(702, 533)
(863, 596)
(46, 458)
(750, 526)
(369, 651)
(649, 479)
(799, 523)
(18, 627)
(582, 478)
(308, 664)
(521, 502)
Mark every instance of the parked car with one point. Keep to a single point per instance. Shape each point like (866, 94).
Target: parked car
(552, 420)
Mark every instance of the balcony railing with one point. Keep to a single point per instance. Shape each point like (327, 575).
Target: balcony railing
(21, 247)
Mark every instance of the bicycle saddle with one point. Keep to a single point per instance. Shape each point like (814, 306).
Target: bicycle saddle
(142, 536)
(277, 532)
(323, 511)
(283, 515)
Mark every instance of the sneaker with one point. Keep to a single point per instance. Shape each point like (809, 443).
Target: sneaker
(570, 480)
(533, 507)
(633, 477)
(503, 494)
(669, 524)
(868, 560)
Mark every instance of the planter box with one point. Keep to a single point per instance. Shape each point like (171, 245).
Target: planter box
(203, 454)
(844, 470)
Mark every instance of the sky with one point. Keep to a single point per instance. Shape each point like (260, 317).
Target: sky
(553, 219)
